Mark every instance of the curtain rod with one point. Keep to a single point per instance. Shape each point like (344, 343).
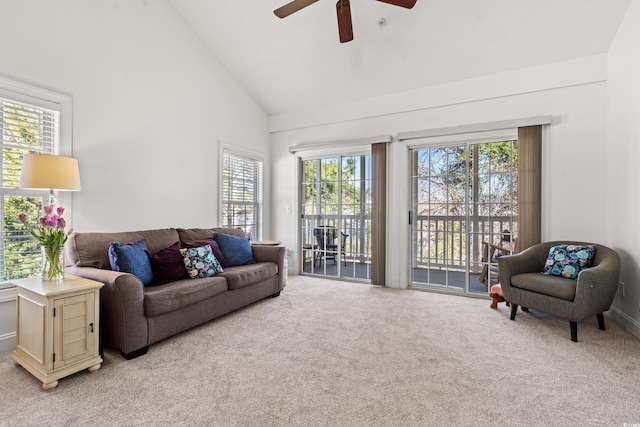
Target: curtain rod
(340, 144)
(477, 127)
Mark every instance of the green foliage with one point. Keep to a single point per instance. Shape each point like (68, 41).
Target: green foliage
(22, 131)
(451, 182)
(442, 176)
(321, 185)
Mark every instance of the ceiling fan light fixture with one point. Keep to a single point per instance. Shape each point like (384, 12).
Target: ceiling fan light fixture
(343, 9)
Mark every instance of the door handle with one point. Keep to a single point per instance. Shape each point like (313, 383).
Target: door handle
(91, 327)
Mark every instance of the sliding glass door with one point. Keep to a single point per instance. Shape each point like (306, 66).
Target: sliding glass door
(335, 225)
(464, 214)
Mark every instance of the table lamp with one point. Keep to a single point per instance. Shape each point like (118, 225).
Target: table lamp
(49, 172)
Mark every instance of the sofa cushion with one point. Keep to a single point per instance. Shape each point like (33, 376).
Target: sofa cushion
(568, 260)
(92, 249)
(175, 295)
(131, 257)
(239, 277)
(237, 231)
(167, 265)
(188, 236)
(555, 286)
(200, 262)
(236, 250)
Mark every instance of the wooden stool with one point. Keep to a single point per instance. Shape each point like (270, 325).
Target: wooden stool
(496, 297)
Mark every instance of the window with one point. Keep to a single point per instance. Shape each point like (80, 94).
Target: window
(30, 122)
(242, 194)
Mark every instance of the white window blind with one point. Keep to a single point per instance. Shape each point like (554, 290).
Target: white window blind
(242, 194)
(25, 128)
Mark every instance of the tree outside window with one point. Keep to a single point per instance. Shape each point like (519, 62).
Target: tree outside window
(242, 194)
(25, 129)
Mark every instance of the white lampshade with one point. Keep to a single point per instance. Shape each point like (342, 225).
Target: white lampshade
(49, 172)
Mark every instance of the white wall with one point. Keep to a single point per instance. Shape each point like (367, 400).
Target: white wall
(574, 93)
(623, 144)
(151, 105)
(150, 102)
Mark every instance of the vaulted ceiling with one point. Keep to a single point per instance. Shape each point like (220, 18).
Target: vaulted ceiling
(297, 63)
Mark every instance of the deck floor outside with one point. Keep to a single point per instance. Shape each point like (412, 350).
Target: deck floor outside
(438, 278)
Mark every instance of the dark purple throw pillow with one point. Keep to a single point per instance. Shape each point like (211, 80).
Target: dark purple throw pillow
(167, 265)
(214, 247)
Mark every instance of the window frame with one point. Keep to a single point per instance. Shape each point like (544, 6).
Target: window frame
(258, 205)
(40, 97)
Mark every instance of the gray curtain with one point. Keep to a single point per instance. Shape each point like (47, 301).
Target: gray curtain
(529, 186)
(379, 213)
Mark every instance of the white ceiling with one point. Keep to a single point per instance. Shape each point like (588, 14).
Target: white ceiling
(298, 63)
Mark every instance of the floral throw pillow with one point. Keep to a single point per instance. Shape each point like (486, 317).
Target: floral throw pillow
(568, 260)
(200, 262)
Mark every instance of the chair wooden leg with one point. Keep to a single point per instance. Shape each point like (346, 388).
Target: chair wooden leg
(600, 317)
(574, 331)
(483, 275)
(514, 310)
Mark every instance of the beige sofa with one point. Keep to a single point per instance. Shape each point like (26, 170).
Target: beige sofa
(134, 316)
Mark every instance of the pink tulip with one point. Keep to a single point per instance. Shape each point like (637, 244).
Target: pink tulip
(22, 217)
(60, 210)
(61, 223)
(51, 221)
(48, 209)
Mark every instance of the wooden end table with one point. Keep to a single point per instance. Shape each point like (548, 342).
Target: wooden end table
(57, 327)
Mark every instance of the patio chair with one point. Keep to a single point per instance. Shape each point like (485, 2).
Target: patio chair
(490, 255)
(327, 248)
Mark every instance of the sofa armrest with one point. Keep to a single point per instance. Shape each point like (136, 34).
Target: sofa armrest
(123, 320)
(271, 254)
(596, 286)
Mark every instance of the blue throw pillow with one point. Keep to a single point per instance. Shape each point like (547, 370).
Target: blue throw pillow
(131, 258)
(236, 250)
(568, 260)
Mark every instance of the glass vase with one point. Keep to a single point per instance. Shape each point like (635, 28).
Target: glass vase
(52, 265)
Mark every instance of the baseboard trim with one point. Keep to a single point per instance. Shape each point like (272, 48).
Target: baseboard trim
(7, 343)
(631, 325)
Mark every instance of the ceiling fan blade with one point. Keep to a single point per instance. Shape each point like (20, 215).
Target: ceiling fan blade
(345, 28)
(402, 3)
(293, 7)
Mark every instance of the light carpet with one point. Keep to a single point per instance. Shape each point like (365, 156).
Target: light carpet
(329, 353)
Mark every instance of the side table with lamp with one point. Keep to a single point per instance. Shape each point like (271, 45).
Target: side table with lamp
(57, 316)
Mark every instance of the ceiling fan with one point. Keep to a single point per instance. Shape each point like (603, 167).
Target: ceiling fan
(345, 29)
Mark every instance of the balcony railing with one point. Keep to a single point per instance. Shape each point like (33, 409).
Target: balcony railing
(356, 227)
(437, 241)
(442, 241)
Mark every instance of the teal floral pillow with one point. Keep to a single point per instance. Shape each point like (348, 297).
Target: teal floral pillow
(200, 262)
(568, 260)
